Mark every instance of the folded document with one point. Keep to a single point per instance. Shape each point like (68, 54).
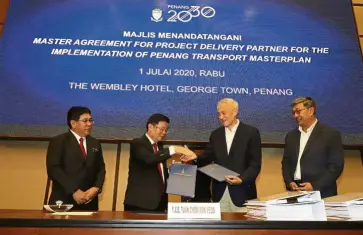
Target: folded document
(182, 180)
(217, 172)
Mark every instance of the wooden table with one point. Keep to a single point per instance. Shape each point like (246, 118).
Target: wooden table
(107, 223)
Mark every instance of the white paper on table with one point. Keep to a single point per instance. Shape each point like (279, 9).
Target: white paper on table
(74, 213)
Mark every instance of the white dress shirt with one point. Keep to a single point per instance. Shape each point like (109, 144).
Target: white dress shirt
(84, 140)
(226, 201)
(230, 135)
(304, 137)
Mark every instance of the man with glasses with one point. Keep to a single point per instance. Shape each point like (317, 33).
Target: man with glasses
(313, 156)
(75, 163)
(148, 173)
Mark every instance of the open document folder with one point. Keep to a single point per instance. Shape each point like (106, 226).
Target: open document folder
(288, 206)
(217, 172)
(345, 199)
(182, 180)
(347, 206)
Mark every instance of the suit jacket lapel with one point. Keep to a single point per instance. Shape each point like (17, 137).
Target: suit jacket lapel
(151, 149)
(235, 139)
(165, 168)
(297, 145)
(313, 136)
(223, 143)
(148, 143)
(90, 149)
(160, 146)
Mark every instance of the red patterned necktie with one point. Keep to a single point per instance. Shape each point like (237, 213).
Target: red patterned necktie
(155, 147)
(82, 147)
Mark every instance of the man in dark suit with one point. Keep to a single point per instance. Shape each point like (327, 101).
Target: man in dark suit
(75, 163)
(148, 171)
(313, 156)
(236, 146)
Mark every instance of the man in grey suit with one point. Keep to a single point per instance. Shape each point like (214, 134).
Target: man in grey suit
(75, 163)
(313, 156)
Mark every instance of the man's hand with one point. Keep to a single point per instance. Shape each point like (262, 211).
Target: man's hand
(233, 180)
(91, 193)
(305, 187)
(187, 154)
(293, 186)
(174, 162)
(187, 158)
(79, 196)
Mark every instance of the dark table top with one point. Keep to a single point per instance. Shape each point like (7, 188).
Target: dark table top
(121, 219)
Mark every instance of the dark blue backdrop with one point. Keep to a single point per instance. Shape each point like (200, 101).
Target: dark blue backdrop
(35, 85)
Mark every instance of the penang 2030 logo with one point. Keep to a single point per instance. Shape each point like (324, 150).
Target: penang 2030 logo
(183, 13)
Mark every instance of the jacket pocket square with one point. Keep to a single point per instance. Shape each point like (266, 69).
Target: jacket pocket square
(95, 149)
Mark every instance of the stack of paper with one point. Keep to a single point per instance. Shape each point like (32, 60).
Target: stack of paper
(345, 206)
(288, 206)
(256, 209)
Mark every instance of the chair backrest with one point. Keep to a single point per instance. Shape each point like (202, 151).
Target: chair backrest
(48, 190)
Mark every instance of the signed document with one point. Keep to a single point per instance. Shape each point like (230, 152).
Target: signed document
(217, 172)
(182, 180)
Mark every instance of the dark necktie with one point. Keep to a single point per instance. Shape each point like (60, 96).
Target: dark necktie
(82, 147)
(155, 147)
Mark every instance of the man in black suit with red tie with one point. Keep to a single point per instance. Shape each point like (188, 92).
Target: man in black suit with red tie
(235, 146)
(313, 157)
(148, 172)
(75, 163)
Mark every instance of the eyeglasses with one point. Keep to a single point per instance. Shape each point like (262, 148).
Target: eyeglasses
(298, 111)
(162, 129)
(87, 120)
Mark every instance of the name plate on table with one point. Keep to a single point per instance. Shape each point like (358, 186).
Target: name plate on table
(190, 210)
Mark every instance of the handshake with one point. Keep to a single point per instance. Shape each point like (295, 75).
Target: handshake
(186, 154)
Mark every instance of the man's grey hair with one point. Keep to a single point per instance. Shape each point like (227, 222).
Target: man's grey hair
(307, 101)
(229, 101)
